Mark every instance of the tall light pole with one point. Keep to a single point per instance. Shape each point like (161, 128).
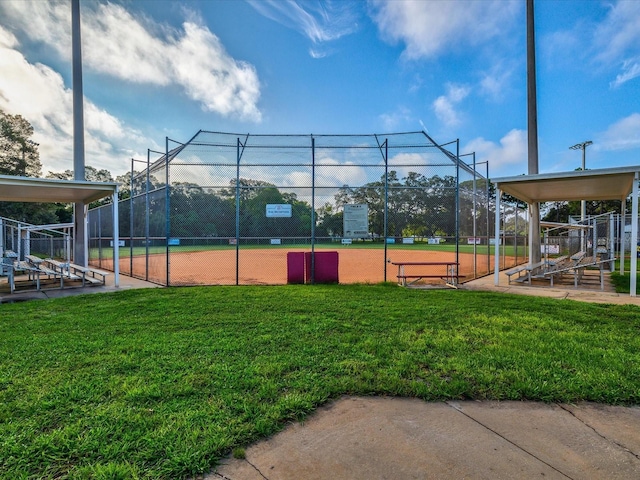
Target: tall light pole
(582, 146)
(80, 245)
(532, 132)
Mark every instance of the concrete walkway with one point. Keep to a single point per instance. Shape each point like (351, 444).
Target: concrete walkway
(126, 283)
(588, 290)
(373, 438)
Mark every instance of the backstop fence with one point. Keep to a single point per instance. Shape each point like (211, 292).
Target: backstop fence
(228, 209)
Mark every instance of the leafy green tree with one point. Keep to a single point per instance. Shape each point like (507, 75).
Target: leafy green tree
(18, 154)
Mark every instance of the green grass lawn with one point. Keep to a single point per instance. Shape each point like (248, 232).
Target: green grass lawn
(161, 383)
(622, 283)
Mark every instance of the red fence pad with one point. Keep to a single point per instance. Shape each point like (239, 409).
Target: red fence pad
(325, 267)
(295, 267)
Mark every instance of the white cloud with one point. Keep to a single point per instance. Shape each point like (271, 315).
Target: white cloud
(431, 28)
(38, 94)
(622, 135)
(630, 70)
(394, 120)
(444, 105)
(405, 163)
(140, 51)
(494, 83)
(617, 40)
(619, 32)
(510, 151)
(319, 21)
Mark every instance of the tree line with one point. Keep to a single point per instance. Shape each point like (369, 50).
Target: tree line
(417, 206)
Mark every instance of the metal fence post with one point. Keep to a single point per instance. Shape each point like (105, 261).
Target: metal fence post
(131, 221)
(313, 194)
(167, 206)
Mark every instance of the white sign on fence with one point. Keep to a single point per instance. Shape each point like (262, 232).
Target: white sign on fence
(278, 210)
(356, 221)
(276, 241)
(550, 249)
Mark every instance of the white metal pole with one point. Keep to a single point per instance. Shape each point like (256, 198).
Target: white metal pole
(116, 240)
(623, 216)
(612, 242)
(634, 237)
(496, 252)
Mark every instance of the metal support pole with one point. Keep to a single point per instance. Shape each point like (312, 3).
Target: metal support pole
(167, 209)
(634, 237)
(457, 217)
(623, 221)
(131, 221)
(496, 252)
(238, 154)
(612, 243)
(386, 203)
(146, 217)
(100, 256)
(488, 220)
(116, 240)
(475, 247)
(313, 183)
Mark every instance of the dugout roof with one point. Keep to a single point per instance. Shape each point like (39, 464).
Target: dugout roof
(45, 190)
(601, 184)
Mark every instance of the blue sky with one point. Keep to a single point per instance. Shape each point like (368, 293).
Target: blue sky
(457, 69)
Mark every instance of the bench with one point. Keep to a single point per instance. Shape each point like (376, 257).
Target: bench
(89, 274)
(35, 272)
(450, 277)
(61, 268)
(6, 270)
(529, 270)
(518, 270)
(578, 267)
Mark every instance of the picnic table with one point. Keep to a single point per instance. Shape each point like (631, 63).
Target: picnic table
(450, 276)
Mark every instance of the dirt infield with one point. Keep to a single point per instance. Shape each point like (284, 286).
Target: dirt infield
(269, 266)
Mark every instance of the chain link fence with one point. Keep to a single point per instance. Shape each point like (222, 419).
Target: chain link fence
(48, 241)
(236, 209)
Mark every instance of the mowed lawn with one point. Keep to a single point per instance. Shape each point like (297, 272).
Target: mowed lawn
(162, 383)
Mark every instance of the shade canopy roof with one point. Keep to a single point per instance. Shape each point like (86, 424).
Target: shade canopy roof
(45, 190)
(601, 184)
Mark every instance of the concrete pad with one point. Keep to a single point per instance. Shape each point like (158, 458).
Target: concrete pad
(396, 438)
(620, 425)
(560, 439)
(126, 283)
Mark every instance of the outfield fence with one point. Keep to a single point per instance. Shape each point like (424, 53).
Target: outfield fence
(227, 208)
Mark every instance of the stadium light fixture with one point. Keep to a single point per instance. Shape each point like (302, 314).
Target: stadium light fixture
(583, 205)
